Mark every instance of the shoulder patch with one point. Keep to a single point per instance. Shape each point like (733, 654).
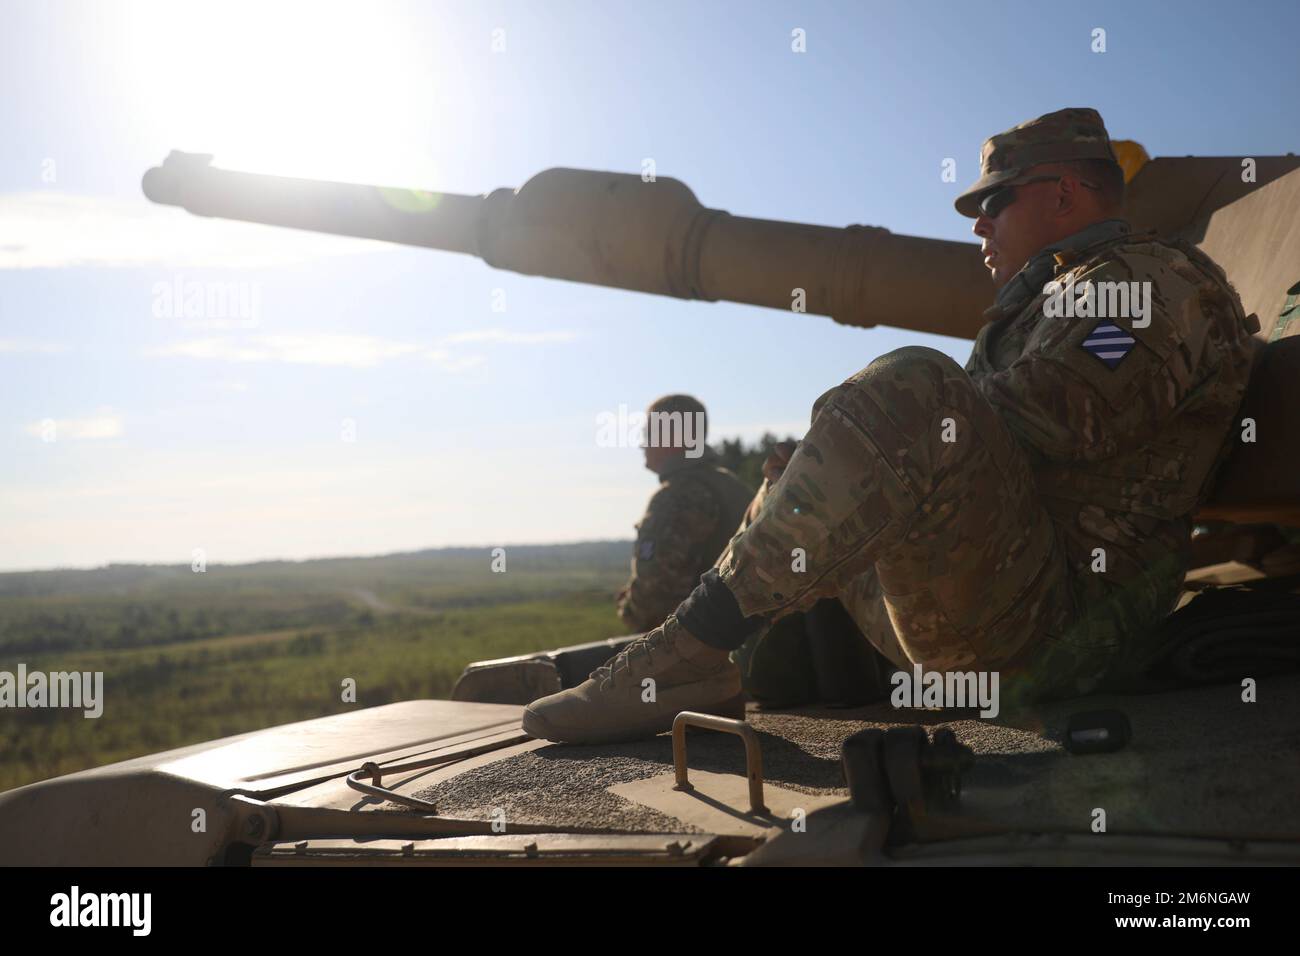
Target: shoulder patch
(646, 550)
(1108, 342)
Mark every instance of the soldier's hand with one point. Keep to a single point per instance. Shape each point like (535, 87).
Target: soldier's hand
(774, 464)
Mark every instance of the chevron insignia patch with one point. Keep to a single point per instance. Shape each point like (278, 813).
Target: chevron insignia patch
(1109, 343)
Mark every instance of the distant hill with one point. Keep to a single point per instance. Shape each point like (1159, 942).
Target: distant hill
(124, 579)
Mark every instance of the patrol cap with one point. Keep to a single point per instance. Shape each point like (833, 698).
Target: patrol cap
(1068, 134)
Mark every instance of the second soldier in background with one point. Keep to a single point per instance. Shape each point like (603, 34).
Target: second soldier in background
(689, 520)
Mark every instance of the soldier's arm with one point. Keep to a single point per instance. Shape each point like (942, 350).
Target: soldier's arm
(669, 553)
(1072, 397)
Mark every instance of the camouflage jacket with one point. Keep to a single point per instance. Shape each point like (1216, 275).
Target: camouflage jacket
(688, 522)
(1125, 420)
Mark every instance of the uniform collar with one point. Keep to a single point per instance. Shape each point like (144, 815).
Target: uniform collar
(1044, 265)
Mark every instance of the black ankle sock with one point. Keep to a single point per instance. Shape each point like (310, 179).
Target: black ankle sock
(713, 617)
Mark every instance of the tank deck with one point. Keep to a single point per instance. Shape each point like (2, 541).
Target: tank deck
(1201, 762)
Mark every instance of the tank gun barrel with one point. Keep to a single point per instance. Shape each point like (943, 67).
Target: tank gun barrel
(621, 231)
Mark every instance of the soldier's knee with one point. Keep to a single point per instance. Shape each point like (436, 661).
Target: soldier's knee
(914, 364)
(911, 377)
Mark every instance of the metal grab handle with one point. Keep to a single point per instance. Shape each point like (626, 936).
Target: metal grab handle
(376, 773)
(753, 751)
(376, 788)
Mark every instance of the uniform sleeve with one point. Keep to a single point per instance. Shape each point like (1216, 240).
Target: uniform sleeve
(1093, 388)
(669, 557)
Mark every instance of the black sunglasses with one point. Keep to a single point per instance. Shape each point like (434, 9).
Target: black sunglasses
(993, 203)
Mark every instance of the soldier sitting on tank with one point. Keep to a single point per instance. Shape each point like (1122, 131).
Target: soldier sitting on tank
(688, 521)
(1028, 515)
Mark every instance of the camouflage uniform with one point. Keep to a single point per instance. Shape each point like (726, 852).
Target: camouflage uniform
(957, 512)
(688, 522)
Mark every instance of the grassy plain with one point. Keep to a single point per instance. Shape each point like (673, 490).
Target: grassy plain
(192, 656)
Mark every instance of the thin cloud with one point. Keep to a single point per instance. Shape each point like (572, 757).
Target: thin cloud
(51, 230)
(225, 350)
(14, 346)
(450, 362)
(104, 423)
(504, 337)
(354, 351)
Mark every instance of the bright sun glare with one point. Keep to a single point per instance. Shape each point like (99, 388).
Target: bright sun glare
(305, 89)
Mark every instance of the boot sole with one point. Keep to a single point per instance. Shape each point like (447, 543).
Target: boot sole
(536, 726)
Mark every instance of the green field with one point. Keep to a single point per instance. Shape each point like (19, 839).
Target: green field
(192, 656)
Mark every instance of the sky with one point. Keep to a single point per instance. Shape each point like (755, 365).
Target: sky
(356, 397)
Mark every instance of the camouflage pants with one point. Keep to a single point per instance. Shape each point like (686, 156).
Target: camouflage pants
(910, 501)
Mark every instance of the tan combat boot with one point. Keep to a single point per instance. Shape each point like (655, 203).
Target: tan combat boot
(617, 703)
